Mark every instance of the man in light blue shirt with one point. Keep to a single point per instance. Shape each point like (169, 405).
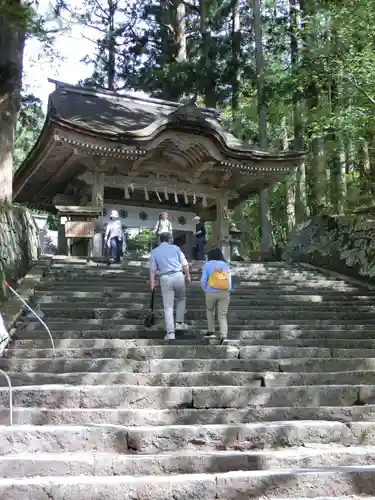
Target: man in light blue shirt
(171, 263)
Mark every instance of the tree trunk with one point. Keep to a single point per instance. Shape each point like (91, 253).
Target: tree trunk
(290, 184)
(266, 241)
(12, 42)
(111, 45)
(180, 31)
(236, 50)
(208, 57)
(301, 210)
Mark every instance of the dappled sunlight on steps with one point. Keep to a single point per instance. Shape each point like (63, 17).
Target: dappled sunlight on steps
(118, 413)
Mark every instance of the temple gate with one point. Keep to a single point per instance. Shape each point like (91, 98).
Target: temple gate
(101, 149)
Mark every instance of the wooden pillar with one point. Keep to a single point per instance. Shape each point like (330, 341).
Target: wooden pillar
(97, 192)
(220, 227)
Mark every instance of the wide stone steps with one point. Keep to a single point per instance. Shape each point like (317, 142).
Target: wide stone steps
(197, 305)
(154, 337)
(302, 365)
(241, 316)
(118, 343)
(237, 485)
(187, 379)
(117, 412)
(185, 416)
(180, 462)
(154, 439)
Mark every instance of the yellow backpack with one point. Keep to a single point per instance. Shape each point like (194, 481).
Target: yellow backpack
(219, 280)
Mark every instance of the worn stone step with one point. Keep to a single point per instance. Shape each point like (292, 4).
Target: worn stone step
(187, 379)
(185, 351)
(143, 298)
(188, 416)
(128, 396)
(121, 343)
(180, 462)
(33, 331)
(240, 315)
(169, 438)
(326, 365)
(199, 305)
(296, 365)
(354, 377)
(152, 365)
(195, 290)
(77, 324)
(255, 379)
(242, 287)
(121, 274)
(237, 485)
(118, 274)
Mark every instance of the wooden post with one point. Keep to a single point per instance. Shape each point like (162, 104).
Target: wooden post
(97, 192)
(97, 198)
(220, 227)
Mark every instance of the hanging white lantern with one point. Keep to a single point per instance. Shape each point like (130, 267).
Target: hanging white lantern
(166, 195)
(126, 192)
(146, 194)
(194, 198)
(158, 196)
(175, 197)
(186, 198)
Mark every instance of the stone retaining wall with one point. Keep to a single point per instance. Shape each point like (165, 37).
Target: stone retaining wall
(19, 242)
(342, 244)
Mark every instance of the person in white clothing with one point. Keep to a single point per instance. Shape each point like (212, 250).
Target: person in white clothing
(163, 225)
(173, 268)
(114, 236)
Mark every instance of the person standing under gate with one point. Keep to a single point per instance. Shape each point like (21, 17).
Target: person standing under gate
(216, 282)
(173, 268)
(114, 236)
(200, 238)
(163, 225)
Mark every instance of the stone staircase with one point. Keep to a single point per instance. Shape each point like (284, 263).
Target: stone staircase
(118, 413)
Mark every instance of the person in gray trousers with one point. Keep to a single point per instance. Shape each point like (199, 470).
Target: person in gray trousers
(173, 268)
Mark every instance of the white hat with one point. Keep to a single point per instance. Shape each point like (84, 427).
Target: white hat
(196, 217)
(114, 214)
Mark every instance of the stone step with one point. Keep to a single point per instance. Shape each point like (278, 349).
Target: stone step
(117, 343)
(187, 379)
(237, 485)
(31, 331)
(216, 352)
(240, 315)
(238, 281)
(188, 416)
(243, 272)
(298, 365)
(199, 305)
(143, 289)
(133, 366)
(136, 298)
(154, 397)
(244, 286)
(180, 462)
(106, 438)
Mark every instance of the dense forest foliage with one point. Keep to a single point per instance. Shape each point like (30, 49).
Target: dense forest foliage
(284, 74)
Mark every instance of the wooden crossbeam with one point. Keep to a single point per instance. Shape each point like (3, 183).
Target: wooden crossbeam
(118, 181)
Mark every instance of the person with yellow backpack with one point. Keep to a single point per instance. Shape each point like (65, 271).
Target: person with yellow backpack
(216, 282)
